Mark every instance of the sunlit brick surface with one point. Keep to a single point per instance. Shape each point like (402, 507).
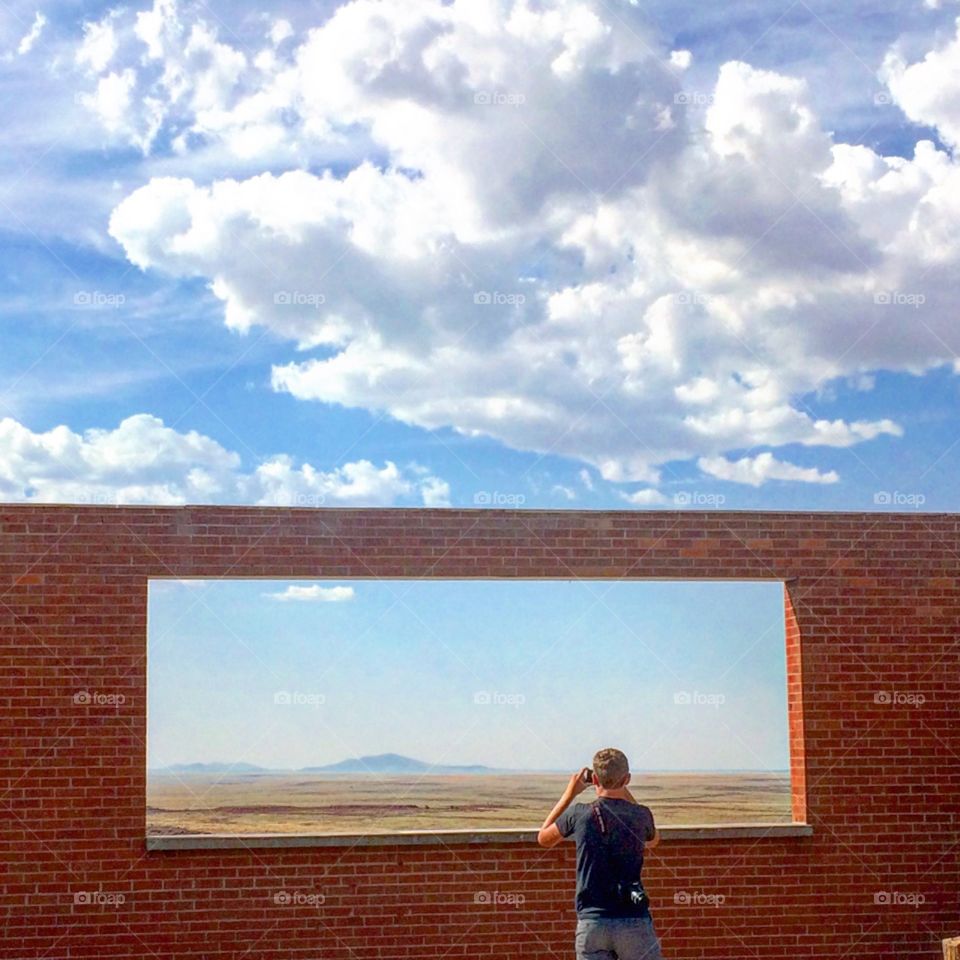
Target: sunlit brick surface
(873, 672)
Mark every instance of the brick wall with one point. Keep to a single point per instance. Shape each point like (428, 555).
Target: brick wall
(872, 608)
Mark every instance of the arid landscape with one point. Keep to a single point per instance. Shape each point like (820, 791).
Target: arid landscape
(302, 803)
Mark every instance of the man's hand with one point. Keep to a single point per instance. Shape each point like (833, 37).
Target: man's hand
(576, 786)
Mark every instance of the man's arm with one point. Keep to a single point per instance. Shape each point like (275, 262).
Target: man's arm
(655, 839)
(549, 834)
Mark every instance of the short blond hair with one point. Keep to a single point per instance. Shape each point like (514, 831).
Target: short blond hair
(610, 765)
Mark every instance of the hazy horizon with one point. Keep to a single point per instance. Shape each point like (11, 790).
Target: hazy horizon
(492, 770)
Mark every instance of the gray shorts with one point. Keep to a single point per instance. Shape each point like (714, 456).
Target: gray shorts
(632, 938)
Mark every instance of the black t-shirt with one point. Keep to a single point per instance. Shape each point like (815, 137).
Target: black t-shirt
(603, 860)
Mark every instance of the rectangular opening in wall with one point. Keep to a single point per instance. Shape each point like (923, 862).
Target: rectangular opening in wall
(377, 707)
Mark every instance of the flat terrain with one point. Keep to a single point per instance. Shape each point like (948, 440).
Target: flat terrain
(326, 803)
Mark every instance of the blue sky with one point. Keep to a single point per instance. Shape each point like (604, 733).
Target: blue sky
(510, 674)
(687, 293)
(530, 253)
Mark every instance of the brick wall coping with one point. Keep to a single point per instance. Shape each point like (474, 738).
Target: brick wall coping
(252, 841)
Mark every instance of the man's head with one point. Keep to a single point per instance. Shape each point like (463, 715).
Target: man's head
(611, 768)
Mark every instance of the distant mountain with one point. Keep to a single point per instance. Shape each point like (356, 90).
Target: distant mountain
(393, 763)
(379, 763)
(213, 768)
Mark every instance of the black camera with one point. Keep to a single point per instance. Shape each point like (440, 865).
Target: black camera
(633, 895)
(586, 775)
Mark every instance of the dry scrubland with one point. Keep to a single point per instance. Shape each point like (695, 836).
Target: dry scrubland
(324, 804)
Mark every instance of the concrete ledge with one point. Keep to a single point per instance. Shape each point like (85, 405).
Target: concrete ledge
(253, 841)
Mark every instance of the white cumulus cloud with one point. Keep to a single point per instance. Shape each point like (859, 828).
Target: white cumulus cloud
(99, 44)
(33, 34)
(314, 593)
(928, 91)
(761, 468)
(546, 244)
(144, 461)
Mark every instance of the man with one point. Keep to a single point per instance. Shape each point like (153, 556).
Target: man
(613, 916)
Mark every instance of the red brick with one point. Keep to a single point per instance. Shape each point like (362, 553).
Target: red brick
(872, 607)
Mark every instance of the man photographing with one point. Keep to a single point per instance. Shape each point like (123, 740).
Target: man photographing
(613, 913)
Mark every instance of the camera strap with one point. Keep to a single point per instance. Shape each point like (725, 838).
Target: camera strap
(595, 807)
